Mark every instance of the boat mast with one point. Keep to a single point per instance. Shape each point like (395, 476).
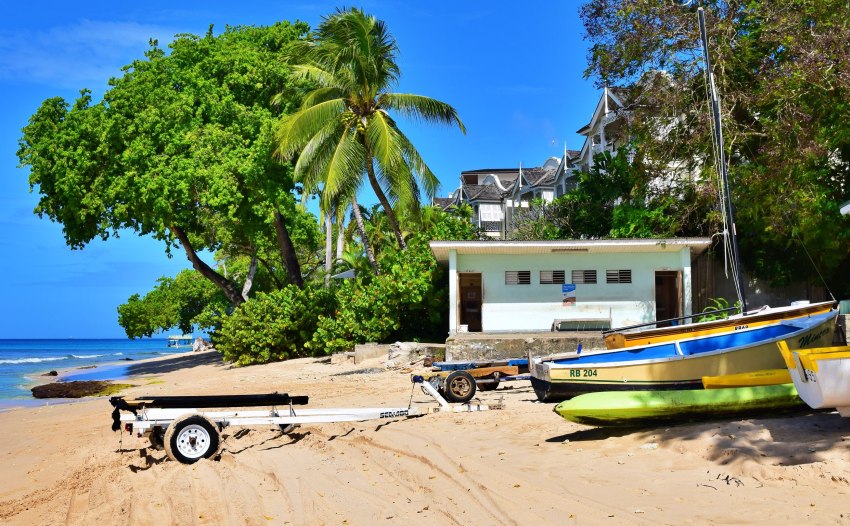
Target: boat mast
(718, 137)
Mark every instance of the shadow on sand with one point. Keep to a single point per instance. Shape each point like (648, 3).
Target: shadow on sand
(167, 365)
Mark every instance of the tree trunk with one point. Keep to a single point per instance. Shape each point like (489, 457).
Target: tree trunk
(358, 218)
(385, 203)
(329, 234)
(340, 233)
(226, 286)
(287, 251)
(249, 279)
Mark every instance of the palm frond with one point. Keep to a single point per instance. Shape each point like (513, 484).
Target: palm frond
(381, 136)
(344, 170)
(297, 129)
(422, 173)
(419, 107)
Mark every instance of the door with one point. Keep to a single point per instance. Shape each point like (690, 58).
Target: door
(470, 300)
(668, 297)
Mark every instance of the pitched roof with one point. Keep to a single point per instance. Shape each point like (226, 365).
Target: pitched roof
(443, 202)
(482, 192)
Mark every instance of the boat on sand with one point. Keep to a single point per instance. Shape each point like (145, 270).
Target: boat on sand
(678, 365)
(821, 375)
(634, 408)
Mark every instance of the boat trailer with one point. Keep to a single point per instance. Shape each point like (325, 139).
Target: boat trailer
(187, 433)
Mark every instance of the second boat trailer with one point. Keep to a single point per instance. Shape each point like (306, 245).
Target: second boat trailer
(176, 423)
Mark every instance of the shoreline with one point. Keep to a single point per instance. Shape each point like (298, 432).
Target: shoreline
(116, 371)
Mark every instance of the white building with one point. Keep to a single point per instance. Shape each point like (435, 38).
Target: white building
(533, 285)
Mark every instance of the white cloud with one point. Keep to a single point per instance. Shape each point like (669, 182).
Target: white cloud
(85, 54)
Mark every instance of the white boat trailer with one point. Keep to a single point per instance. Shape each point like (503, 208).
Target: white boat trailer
(187, 434)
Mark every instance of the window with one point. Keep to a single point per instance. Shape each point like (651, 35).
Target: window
(584, 276)
(552, 277)
(517, 277)
(618, 276)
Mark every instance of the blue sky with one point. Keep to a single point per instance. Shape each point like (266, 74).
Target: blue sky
(512, 69)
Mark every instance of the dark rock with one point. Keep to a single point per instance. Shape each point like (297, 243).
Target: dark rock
(128, 359)
(88, 367)
(51, 373)
(70, 389)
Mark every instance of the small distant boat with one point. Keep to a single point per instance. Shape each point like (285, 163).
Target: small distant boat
(613, 408)
(821, 376)
(753, 379)
(678, 365)
(177, 341)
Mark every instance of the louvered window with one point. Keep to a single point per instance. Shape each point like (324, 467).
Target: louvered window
(517, 277)
(618, 276)
(584, 276)
(552, 277)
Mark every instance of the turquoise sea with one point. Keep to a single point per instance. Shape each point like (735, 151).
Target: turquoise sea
(22, 362)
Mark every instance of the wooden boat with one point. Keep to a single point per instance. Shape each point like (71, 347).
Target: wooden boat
(680, 364)
(821, 375)
(752, 379)
(622, 338)
(646, 407)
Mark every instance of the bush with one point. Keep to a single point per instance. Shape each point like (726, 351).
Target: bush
(405, 302)
(273, 326)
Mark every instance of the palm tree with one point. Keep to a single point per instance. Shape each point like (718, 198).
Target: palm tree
(343, 129)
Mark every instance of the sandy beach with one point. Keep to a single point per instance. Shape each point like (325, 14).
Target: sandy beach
(61, 464)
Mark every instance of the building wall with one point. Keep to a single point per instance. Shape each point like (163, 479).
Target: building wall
(536, 306)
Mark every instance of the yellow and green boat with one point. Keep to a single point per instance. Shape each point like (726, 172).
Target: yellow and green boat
(681, 364)
(646, 407)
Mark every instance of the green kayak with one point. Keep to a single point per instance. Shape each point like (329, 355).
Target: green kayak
(629, 408)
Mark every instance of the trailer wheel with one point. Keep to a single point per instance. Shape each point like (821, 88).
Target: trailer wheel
(491, 383)
(459, 387)
(191, 438)
(157, 437)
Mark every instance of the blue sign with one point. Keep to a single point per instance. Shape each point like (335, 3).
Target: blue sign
(568, 287)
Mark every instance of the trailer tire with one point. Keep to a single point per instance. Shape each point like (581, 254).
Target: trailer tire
(459, 387)
(491, 385)
(191, 438)
(157, 438)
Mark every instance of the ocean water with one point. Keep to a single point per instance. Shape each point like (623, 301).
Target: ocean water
(22, 362)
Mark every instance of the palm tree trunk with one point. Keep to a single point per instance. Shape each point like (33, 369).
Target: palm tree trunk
(225, 285)
(287, 251)
(340, 233)
(385, 203)
(358, 218)
(329, 232)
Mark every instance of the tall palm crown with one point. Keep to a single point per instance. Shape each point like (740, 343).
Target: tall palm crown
(343, 129)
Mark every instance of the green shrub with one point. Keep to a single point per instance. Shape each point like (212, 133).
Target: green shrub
(405, 302)
(273, 326)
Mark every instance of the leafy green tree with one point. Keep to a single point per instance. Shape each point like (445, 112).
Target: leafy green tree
(179, 149)
(344, 130)
(405, 301)
(781, 69)
(186, 302)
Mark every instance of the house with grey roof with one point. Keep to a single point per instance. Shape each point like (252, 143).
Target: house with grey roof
(496, 193)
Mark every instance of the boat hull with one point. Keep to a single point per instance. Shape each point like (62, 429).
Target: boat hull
(678, 365)
(636, 408)
(622, 340)
(821, 376)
